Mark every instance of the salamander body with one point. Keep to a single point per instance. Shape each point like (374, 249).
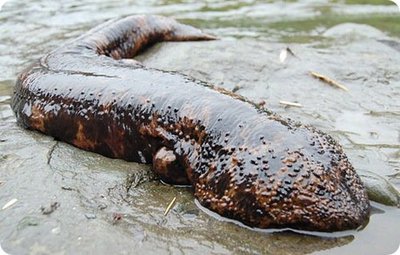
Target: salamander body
(243, 163)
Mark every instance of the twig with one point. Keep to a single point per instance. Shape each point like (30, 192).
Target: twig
(290, 104)
(169, 206)
(284, 53)
(9, 203)
(329, 81)
(291, 52)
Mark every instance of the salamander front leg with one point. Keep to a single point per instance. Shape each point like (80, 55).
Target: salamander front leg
(166, 165)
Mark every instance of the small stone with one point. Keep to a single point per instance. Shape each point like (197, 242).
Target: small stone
(380, 189)
(90, 216)
(49, 210)
(102, 206)
(56, 230)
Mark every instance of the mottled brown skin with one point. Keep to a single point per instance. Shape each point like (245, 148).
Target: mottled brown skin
(243, 163)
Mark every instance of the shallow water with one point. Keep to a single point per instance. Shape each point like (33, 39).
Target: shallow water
(108, 206)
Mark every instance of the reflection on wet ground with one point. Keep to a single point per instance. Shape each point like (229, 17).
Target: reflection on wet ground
(110, 205)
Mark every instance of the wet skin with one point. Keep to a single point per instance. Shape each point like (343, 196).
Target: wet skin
(244, 163)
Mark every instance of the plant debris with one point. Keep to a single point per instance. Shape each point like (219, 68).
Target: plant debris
(328, 80)
(169, 206)
(284, 53)
(9, 203)
(287, 103)
(66, 188)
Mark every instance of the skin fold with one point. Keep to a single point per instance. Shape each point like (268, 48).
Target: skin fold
(243, 163)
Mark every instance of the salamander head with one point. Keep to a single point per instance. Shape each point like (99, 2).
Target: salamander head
(300, 189)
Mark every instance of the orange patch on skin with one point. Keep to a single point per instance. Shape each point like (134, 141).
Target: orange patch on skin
(37, 119)
(81, 139)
